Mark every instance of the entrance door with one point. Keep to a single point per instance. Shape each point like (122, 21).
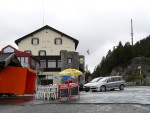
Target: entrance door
(46, 82)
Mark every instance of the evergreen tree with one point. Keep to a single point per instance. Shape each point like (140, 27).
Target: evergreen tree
(121, 56)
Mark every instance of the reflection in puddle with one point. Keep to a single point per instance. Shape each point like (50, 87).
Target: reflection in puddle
(15, 100)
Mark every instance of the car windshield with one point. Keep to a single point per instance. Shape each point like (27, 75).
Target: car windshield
(95, 80)
(103, 79)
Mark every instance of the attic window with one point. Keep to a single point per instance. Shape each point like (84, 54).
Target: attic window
(8, 50)
(58, 41)
(35, 41)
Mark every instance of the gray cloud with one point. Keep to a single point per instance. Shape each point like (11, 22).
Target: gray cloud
(97, 24)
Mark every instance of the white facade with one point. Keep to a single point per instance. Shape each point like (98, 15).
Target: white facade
(46, 42)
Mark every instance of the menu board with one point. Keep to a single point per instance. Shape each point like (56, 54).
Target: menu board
(64, 92)
(74, 91)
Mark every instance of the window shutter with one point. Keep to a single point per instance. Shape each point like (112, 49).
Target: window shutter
(55, 40)
(38, 41)
(32, 41)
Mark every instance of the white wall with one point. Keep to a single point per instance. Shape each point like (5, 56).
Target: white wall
(46, 42)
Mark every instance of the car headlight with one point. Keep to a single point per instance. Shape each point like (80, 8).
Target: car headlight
(94, 85)
(84, 86)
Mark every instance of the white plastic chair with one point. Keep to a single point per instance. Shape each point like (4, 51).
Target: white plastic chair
(40, 92)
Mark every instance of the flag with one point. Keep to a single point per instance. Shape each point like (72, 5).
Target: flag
(88, 51)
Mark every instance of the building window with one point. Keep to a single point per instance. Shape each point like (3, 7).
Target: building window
(18, 58)
(24, 61)
(37, 65)
(42, 53)
(51, 63)
(81, 60)
(28, 51)
(8, 50)
(35, 41)
(58, 41)
(33, 62)
(58, 63)
(69, 60)
(43, 63)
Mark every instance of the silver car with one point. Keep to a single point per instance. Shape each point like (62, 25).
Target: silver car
(109, 83)
(88, 85)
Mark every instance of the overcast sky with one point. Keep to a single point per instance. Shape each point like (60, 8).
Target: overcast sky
(97, 24)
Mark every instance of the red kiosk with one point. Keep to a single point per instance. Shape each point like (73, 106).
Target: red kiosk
(17, 80)
(14, 79)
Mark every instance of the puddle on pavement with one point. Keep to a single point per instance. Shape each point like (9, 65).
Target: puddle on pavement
(15, 100)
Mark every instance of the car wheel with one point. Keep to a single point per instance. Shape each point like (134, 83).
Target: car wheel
(121, 87)
(87, 89)
(102, 88)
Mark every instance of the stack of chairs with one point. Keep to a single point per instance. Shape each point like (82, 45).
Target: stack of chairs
(47, 92)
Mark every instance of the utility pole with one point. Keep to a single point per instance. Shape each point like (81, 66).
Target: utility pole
(131, 32)
(43, 13)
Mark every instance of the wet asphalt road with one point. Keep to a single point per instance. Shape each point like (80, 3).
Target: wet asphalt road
(77, 108)
(131, 100)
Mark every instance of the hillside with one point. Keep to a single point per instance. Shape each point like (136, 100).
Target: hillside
(127, 61)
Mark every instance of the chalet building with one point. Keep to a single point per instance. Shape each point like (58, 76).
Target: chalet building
(55, 50)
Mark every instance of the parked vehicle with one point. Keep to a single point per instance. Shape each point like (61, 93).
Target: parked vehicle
(81, 87)
(88, 85)
(108, 83)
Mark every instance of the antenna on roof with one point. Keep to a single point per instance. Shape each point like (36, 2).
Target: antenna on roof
(131, 32)
(43, 12)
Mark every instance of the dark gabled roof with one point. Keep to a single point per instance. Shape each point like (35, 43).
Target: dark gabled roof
(3, 56)
(9, 59)
(47, 27)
